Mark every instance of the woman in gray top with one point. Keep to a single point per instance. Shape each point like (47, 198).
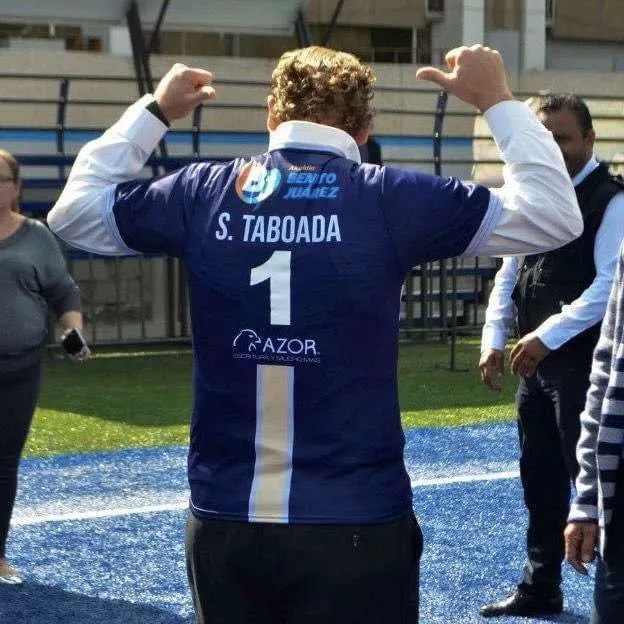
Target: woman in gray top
(33, 279)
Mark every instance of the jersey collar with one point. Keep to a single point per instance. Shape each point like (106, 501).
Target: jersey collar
(310, 136)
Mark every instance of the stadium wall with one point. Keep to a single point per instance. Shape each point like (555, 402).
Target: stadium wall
(126, 299)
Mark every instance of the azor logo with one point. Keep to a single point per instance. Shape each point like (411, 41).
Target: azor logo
(248, 345)
(247, 340)
(255, 182)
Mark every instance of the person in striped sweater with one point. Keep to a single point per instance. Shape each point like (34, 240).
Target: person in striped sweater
(596, 520)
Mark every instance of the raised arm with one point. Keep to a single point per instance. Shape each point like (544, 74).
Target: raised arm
(536, 209)
(80, 215)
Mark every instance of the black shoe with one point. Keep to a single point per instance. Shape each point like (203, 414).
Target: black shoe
(522, 603)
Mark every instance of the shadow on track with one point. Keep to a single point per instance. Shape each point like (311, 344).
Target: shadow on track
(33, 603)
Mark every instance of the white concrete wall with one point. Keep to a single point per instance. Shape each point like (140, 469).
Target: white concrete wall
(533, 36)
(463, 24)
(507, 42)
(602, 57)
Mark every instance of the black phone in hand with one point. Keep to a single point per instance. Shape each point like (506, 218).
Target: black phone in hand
(73, 342)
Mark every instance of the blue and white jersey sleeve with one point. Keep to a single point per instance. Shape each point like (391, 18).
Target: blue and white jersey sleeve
(154, 216)
(430, 217)
(536, 210)
(83, 215)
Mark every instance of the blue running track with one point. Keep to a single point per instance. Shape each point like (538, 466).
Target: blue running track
(100, 536)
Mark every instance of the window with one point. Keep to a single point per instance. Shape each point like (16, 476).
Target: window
(550, 13)
(423, 46)
(435, 6)
(391, 45)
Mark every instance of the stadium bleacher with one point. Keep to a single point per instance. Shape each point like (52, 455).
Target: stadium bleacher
(55, 101)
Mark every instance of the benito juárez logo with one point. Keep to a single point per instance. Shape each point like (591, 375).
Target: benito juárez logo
(255, 182)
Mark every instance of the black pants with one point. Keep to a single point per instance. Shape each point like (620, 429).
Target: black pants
(252, 573)
(19, 391)
(608, 605)
(549, 406)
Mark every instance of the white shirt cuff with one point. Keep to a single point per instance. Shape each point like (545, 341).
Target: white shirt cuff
(139, 126)
(493, 338)
(550, 335)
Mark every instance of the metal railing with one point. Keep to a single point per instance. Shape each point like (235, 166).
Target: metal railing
(135, 298)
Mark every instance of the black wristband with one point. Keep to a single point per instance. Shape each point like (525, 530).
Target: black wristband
(153, 108)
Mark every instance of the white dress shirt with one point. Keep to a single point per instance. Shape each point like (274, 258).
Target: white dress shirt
(515, 222)
(582, 313)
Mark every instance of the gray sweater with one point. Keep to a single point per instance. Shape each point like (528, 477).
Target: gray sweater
(601, 445)
(33, 279)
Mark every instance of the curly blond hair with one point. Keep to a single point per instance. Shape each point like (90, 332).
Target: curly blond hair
(324, 86)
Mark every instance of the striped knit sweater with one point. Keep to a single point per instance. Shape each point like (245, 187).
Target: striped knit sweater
(601, 445)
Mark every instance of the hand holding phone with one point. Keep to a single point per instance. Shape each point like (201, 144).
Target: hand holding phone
(75, 345)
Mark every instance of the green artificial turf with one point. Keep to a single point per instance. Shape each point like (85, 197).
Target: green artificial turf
(143, 398)
(432, 394)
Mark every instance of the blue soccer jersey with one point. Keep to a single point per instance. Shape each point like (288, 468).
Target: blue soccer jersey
(295, 262)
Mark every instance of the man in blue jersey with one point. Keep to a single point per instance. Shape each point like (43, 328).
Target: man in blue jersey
(301, 506)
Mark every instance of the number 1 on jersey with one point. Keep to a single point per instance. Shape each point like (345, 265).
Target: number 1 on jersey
(277, 270)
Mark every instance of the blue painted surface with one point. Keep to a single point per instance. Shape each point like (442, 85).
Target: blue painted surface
(130, 568)
(448, 451)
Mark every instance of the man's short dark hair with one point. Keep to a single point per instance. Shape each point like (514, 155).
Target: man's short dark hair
(555, 102)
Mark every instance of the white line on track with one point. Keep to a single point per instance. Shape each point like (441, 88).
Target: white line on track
(469, 478)
(183, 503)
(100, 513)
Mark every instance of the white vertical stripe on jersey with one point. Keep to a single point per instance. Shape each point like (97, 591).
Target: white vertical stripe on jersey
(270, 489)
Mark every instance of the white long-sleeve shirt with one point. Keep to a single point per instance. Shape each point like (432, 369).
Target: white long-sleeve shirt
(582, 313)
(515, 223)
